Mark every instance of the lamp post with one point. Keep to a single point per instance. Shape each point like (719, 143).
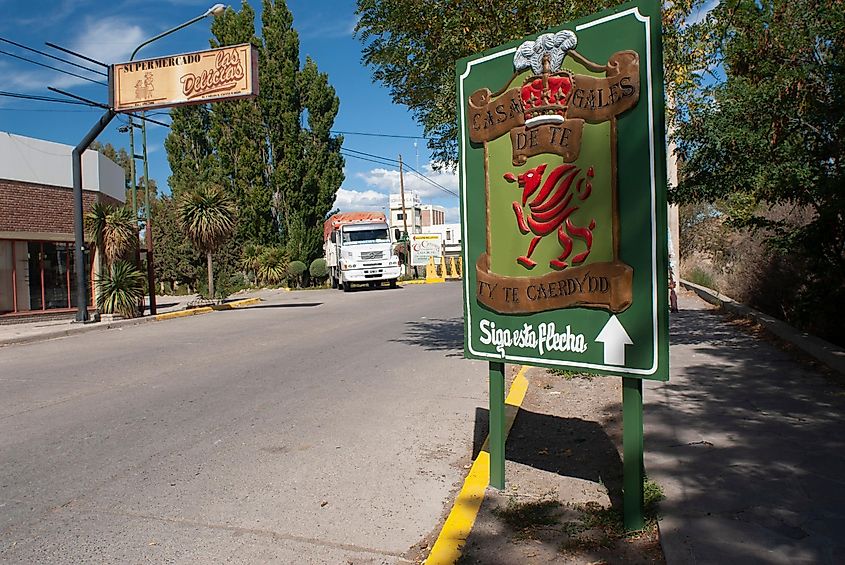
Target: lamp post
(215, 10)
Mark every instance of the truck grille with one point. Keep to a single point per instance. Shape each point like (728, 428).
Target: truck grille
(372, 255)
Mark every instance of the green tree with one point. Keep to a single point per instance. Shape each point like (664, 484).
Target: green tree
(175, 259)
(190, 150)
(323, 169)
(414, 56)
(764, 143)
(281, 107)
(239, 139)
(282, 170)
(207, 217)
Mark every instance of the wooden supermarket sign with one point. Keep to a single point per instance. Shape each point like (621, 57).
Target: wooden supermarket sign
(564, 197)
(226, 73)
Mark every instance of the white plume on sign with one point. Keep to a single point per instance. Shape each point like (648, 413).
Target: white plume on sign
(530, 53)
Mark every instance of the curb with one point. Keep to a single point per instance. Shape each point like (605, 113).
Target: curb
(447, 548)
(85, 328)
(824, 352)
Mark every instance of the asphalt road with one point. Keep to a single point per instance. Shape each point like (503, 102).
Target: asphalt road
(317, 427)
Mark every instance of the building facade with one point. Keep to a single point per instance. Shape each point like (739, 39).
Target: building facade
(37, 270)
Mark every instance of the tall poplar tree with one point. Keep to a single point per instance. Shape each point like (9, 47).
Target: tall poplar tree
(281, 107)
(283, 175)
(237, 133)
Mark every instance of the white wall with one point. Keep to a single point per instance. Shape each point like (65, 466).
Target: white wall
(27, 159)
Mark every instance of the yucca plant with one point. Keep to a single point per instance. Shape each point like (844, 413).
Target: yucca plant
(207, 216)
(113, 230)
(249, 258)
(120, 235)
(120, 289)
(272, 265)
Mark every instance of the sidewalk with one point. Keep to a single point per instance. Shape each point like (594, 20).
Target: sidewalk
(749, 447)
(746, 442)
(39, 330)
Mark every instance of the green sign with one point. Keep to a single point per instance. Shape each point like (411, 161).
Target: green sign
(563, 197)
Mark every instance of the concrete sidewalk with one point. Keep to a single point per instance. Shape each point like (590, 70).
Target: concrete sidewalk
(40, 330)
(749, 447)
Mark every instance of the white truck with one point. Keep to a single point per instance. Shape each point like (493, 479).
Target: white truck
(358, 250)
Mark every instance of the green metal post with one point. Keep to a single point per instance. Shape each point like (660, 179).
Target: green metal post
(132, 171)
(632, 447)
(496, 439)
(148, 228)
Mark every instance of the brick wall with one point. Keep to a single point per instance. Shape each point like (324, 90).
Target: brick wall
(27, 207)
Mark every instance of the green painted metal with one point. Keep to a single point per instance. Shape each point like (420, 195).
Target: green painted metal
(629, 340)
(632, 447)
(496, 438)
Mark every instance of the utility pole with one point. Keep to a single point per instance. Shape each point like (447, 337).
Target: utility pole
(404, 214)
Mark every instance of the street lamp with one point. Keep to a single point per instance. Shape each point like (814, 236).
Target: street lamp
(215, 10)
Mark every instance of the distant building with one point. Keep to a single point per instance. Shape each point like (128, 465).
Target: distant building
(412, 209)
(37, 271)
(432, 215)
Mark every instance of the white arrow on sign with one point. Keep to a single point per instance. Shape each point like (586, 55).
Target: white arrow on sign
(615, 338)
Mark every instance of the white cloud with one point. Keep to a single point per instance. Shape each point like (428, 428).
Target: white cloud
(453, 215)
(110, 39)
(360, 200)
(388, 179)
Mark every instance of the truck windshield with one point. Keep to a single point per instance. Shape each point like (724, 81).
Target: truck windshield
(376, 235)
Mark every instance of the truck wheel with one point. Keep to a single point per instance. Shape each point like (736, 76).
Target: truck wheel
(345, 286)
(392, 283)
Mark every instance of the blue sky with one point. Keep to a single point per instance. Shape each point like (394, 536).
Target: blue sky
(109, 31)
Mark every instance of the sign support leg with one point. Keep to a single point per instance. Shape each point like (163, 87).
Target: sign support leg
(497, 425)
(632, 447)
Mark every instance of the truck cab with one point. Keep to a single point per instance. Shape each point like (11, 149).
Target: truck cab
(361, 252)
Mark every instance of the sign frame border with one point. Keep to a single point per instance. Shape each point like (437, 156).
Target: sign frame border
(643, 11)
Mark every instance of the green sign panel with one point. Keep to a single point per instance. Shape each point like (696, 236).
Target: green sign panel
(563, 197)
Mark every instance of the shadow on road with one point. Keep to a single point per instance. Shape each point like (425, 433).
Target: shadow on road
(570, 447)
(436, 335)
(288, 305)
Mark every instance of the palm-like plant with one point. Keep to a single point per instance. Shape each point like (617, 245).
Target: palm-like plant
(120, 289)
(207, 216)
(111, 229)
(272, 265)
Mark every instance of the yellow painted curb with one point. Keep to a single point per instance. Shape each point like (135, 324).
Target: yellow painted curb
(456, 529)
(237, 304)
(207, 309)
(183, 313)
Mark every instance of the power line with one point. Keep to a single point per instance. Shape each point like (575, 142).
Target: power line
(52, 67)
(373, 134)
(40, 98)
(45, 110)
(75, 54)
(381, 160)
(42, 53)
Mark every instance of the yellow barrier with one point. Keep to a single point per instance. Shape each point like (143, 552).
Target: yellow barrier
(431, 274)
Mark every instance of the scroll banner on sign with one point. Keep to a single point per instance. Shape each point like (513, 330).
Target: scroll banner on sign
(592, 100)
(598, 285)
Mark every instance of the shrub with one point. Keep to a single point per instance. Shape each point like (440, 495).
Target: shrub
(318, 268)
(120, 290)
(295, 271)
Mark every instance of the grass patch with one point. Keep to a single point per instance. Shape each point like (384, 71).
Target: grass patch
(598, 526)
(525, 517)
(569, 375)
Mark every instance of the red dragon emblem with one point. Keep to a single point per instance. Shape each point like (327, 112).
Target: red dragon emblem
(550, 210)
